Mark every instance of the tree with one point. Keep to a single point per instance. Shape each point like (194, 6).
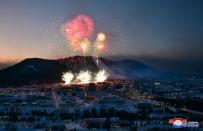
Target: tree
(107, 123)
(94, 112)
(92, 87)
(10, 127)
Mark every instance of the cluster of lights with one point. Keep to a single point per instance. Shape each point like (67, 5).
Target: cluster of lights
(84, 77)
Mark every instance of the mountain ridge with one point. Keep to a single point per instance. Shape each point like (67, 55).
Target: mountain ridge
(44, 70)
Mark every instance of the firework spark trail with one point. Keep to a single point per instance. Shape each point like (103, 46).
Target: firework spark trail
(67, 77)
(84, 77)
(101, 76)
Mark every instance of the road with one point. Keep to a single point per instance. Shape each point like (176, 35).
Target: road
(56, 99)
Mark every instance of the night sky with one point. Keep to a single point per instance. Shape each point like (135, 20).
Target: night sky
(167, 34)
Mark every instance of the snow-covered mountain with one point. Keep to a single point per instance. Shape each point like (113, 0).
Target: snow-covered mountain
(42, 70)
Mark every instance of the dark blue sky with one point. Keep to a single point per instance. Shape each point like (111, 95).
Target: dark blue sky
(150, 30)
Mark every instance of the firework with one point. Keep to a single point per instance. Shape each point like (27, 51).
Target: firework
(77, 30)
(100, 43)
(84, 77)
(101, 76)
(67, 77)
(101, 37)
(85, 45)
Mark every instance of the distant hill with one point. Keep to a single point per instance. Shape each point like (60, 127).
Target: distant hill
(133, 69)
(42, 70)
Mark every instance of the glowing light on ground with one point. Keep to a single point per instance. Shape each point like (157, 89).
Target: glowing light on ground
(67, 77)
(101, 76)
(84, 77)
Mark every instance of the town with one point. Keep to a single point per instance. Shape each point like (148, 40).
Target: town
(111, 105)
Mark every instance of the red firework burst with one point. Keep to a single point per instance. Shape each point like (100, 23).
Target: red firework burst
(79, 28)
